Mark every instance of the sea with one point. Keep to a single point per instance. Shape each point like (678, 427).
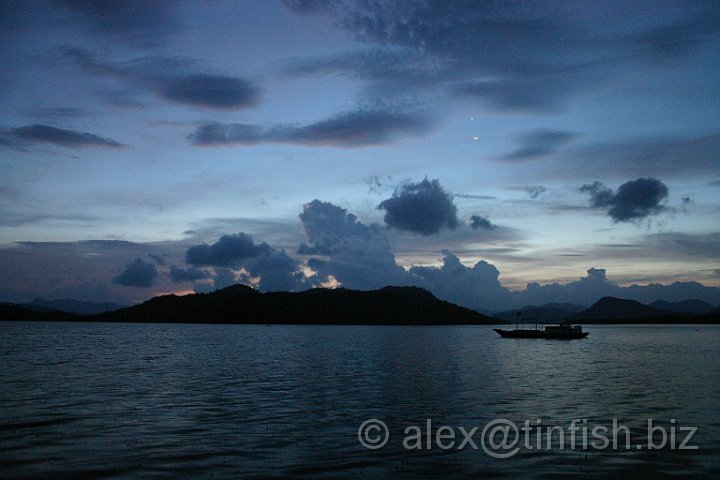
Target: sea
(101, 400)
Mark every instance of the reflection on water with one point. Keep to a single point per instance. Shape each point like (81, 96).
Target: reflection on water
(127, 400)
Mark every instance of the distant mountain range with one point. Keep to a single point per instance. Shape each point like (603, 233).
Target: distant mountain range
(71, 306)
(242, 304)
(610, 308)
(13, 311)
(614, 310)
(618, 310)
(387, 306)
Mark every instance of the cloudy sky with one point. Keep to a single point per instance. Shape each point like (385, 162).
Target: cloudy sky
(497, 153)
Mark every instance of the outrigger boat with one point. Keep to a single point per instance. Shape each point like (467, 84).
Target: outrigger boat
(560, 331)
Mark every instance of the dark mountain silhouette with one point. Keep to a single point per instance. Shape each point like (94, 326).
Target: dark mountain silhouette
(242, 304)
(694, 307)
(387, 306)
(71, 306)
(12, 311)
(550, 312)
(611, 308)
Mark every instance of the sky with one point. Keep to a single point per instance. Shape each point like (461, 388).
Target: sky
(496, 153)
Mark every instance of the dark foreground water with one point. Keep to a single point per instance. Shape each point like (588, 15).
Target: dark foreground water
(81, 400)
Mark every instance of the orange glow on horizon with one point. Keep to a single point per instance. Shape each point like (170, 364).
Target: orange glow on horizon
(178, 293)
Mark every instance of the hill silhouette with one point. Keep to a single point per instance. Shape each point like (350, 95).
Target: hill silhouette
(386, 306)
(617, 310)
(71, 306)
(12, 311)
(243, 304)
(611, 308)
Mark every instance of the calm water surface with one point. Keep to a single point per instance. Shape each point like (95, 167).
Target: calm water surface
(81, 400)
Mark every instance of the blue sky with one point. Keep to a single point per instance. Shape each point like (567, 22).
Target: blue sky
(131, 130)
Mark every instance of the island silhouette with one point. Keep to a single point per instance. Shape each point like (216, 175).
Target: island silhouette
(245, 305)
(389, 305)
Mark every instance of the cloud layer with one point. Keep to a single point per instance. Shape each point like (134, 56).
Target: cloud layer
(348, 129)
(527, 56)
(210, 91)
(171, 78)
(144, 23)
(37, 133)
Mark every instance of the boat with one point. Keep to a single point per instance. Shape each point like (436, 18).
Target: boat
(560, 331)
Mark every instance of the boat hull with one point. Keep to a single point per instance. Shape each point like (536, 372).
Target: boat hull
(540, 334)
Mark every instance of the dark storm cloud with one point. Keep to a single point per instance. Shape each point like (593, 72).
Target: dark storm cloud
(189, 274)
(210, 91)
(423, 207)
(633, 200)
(172, 78)
(263, 266)
(348, 129)
(539, 143)
(323, 221)
(511, 55)
(276, 272)
(474, 287)
(480, 222)
(228, 251)
(138, 273)
(358, 255)
(139, 22)
(59, 136)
